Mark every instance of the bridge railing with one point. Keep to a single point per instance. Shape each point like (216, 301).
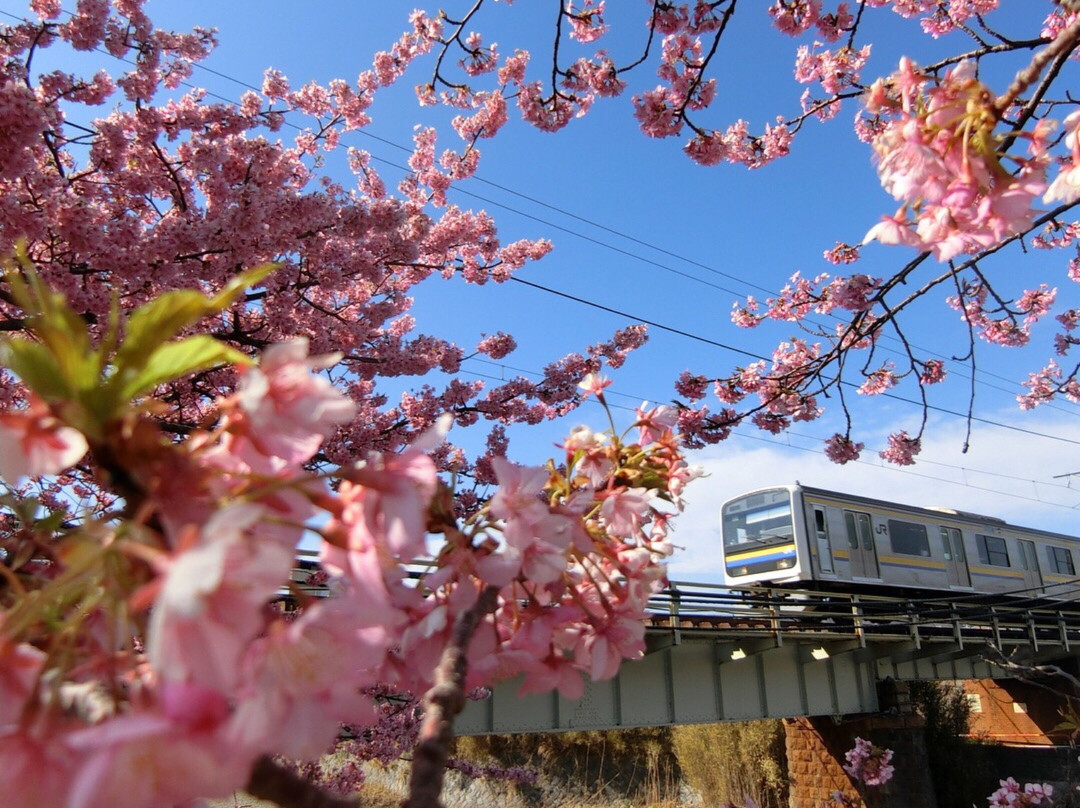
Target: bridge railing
(969, 619)
(963, 619)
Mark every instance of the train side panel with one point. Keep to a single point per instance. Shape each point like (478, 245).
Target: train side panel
(852, 540)
(875, 546)
(794, 535)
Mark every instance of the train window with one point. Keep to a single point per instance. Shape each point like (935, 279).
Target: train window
(762, 519)
(992, 550)
(1061, 560)
(852, 530)
(908, 538)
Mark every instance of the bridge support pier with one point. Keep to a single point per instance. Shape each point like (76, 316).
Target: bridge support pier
(815, 753)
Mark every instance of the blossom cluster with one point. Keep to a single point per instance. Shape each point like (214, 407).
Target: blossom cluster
(173, 676)
(967, 166)
(939, 155)
(1013, 795)
(869, 764)
(179, 192)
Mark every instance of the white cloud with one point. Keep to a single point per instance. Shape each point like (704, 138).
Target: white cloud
(1005, 473)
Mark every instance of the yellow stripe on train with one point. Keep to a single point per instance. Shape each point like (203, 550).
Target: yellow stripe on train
(746, 555)
(912, 561)
(995, 572)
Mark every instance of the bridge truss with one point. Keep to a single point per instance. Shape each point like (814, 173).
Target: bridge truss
(722, 654)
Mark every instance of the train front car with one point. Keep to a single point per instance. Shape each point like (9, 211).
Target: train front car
(763, 534)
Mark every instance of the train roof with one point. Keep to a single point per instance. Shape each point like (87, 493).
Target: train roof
(929, 511)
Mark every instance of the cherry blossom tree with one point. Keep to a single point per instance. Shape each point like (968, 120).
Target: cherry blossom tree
(976, 170)
(172, 190)
(140, 661)
(198, 323)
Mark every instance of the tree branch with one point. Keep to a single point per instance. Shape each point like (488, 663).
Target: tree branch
(442, 703)
(274, 782)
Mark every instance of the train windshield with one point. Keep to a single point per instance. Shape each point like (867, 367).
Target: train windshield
(760, 519)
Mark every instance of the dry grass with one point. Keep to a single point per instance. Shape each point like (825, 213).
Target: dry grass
(633, 766)
(732, 761)
(640, 768)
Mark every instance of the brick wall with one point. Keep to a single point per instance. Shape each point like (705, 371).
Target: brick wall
(815, 752)
(1015, 712)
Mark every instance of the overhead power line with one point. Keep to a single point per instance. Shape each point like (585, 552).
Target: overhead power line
(763, 438)
(605, 228)
(707, 341)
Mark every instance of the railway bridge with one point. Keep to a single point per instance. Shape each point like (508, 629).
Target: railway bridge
(728, 654)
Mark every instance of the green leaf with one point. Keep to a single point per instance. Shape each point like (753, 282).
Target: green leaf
(35, 364)
(241, 283)
(61, 330)
(164, 317)
(175, 359)
(159, 321)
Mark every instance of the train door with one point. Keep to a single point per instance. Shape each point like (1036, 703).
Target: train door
(1029, 563)
(824, 545)
(863, 553)
(952, 543)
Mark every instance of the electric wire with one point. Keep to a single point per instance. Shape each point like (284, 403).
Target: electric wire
(585, 220)
(585, 301)
(600, 226)
(707, 341)
(876, 465)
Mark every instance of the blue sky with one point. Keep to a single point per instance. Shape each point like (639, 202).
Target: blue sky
(638, 228)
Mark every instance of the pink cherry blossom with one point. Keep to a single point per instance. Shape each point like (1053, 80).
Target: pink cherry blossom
(868, 763)
(938, 155)
(20, 666)
(834, 25)
(1012, 795)
(655, 113)
(38, 766)
(902, 449)
(145, 760)
(841, 449)
(479, 59)
(211, 597)
(1044, 384)
(878, 381)
(519, 490)
(34, 442)
(382, 502)
(555, 673)
(595, 76)
(1066, 186)
(592, 451)
(294, 695)
(654, 422)
(594, 385)
(586, 25)
(933, 372)
(623, 510)
(842, 254)
(793, 17)
(602, 653)
(291, 411)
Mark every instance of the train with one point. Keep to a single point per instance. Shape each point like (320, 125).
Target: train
(802, 537)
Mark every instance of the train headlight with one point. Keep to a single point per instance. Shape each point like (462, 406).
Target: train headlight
(742, 571)
(784, 563)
